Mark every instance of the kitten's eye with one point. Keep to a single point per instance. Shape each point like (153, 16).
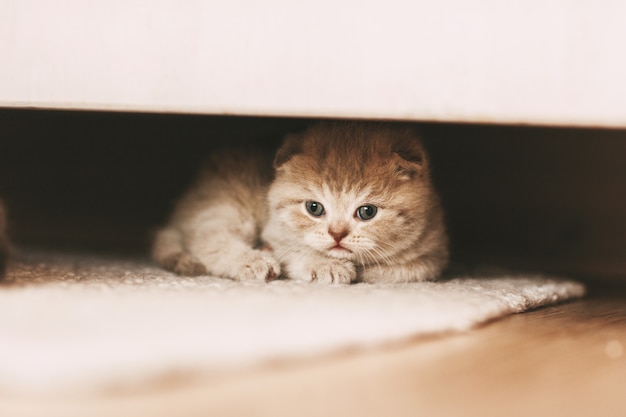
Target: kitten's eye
(315, 208)
(366, 212)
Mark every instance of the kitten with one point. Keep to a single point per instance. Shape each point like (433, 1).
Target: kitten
(345, 202)
(4, 242)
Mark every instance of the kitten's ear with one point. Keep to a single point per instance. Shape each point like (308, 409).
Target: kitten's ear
(292, 145)
(411, 157)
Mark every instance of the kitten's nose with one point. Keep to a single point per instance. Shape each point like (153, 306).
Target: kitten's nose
(338, 233)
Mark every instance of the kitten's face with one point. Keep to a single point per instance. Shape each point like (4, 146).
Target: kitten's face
(352, 197)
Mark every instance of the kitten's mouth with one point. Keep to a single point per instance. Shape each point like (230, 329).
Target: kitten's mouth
(340, 252)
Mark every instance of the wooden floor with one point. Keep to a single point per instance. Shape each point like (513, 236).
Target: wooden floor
(565, 360)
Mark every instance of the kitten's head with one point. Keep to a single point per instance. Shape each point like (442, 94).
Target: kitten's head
(357, 191)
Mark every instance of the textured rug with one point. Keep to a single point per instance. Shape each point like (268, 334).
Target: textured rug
(75, 323)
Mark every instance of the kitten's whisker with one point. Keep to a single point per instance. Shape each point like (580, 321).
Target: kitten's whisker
(370, 259)
(382, 256)
(291, 249)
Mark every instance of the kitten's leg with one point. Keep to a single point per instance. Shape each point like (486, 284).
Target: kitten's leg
(168, 251)
(230, 258)
(311, 267)
(224, 242)
(224, 255)
(217, 221)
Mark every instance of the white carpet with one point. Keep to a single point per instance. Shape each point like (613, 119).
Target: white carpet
(72, 323)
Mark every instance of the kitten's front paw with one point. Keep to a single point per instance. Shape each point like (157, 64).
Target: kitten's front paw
(333, 272)
(259, 265)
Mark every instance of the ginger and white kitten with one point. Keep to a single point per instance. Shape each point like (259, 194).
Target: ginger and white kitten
(344, 202)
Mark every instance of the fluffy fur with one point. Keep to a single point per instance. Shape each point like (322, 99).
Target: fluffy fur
(245, 220)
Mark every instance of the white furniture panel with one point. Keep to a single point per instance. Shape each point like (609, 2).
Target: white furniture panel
(557, 62)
